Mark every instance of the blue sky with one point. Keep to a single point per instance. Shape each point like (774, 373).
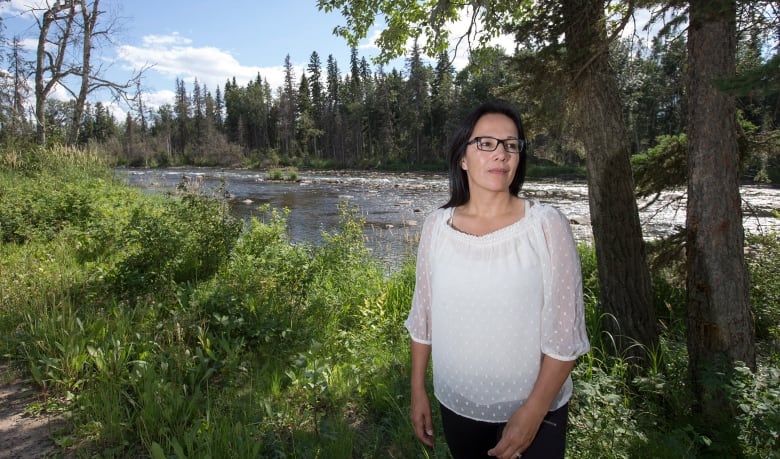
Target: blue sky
(210, 40)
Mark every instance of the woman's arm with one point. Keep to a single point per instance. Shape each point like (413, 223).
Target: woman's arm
(420, 411)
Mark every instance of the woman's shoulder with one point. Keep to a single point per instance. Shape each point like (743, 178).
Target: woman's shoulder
(546, 212)
(438, 214)
(435, 219)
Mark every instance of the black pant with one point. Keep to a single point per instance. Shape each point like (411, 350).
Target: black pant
(470, 439)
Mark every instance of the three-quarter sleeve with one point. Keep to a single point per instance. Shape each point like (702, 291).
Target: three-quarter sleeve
(563, 332)
(419, 320)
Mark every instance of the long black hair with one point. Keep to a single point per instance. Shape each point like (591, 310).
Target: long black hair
(459, 184)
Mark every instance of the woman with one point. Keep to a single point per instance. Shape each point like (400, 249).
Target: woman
(497, 303)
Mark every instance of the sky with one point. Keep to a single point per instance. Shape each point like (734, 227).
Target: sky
(208, 40)
(213, 42)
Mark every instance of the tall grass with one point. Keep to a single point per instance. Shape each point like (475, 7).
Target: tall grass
(165, 328)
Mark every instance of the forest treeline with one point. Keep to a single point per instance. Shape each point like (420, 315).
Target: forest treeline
(367, 116)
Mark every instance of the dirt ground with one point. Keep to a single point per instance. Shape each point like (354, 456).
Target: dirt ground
(23, 435)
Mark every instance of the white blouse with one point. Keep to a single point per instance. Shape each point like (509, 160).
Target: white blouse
(491, 305)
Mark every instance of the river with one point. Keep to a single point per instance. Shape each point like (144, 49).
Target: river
(395, 204)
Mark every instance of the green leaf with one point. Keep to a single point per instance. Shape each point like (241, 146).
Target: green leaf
(157, 451)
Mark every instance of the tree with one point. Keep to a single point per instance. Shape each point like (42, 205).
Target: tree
(597, 113)
(720, 327)
(385, 110)
(14, 89)
(307, 131)
(442, 104)
(287, 109)
(662, 102)
(333, 125)
(418, 113)
(257, 124)
(183, 130)
(624, 279)
(217, 114)
(50, 56)
(64, 24)
(353, 106)
(317, 98)
(129, 137)
(89, 17)
(198, 113)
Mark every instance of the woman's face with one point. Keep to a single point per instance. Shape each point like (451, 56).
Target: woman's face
(491, 171)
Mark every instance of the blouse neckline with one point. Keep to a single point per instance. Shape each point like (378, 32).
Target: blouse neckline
(493, 234)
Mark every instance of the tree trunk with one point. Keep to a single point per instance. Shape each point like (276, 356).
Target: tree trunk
(720, 327)
(624, 278)
(48, 61)
(89, 19)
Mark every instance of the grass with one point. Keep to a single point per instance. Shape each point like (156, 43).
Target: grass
(165, 328)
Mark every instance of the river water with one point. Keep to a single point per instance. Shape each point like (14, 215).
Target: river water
(395, 204)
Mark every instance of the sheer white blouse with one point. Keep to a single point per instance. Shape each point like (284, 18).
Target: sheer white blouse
(490, 306)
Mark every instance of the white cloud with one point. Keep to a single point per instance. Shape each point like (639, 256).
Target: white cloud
(152, 41)
(173, 56)
(116, 110)
(20, 6)
(156, 99)
(30, 44)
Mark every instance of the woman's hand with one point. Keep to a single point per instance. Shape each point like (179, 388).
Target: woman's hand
(522, 427)
(519, 432)
(420, 414)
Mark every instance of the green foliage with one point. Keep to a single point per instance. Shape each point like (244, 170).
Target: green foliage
(757, 396)
(275, 174)
(554, 170)
(163, 328)
(289, 174)
(764, 251)
(183, 241)
(600, 401)
(39, 212)
(51, 194)
(57, 161)
(258, 295)
(662, 167)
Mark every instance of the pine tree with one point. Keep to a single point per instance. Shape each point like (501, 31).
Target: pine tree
(333, 124)
(317, 97)
(418, 103)
(287, 109)
(183, 121)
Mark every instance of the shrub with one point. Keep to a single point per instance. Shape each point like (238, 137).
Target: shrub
(764, 266)
(259, 294)
(275, 174)
(757, 396)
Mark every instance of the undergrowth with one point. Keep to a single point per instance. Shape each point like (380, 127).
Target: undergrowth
(163, 327)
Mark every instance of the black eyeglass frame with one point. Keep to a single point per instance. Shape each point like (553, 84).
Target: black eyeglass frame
(478, 142)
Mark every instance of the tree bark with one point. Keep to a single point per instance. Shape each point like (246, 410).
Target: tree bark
(624, 278)
(89, 19)
(48, 62)
(720, 326)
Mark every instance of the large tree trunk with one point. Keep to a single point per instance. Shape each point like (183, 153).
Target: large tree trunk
(624, 278)
(720, 327)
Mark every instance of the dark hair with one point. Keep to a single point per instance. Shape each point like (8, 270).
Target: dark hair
(459, 184)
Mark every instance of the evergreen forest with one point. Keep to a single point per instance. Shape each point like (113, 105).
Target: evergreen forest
(363, 116)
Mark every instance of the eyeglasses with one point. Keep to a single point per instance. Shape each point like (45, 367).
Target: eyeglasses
(487, 143)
